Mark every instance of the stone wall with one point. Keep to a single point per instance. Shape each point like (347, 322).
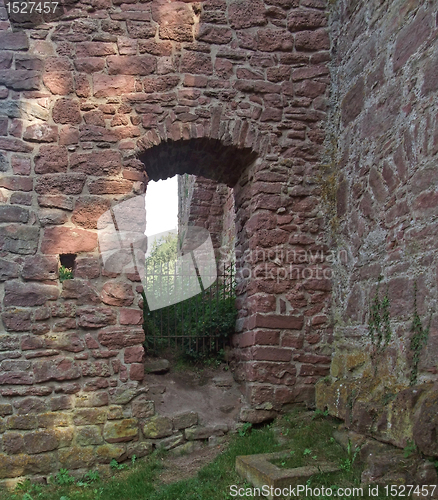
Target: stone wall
(209, 204)
(384, 137)
(91, 106)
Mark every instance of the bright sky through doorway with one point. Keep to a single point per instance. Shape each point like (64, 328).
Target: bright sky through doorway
(162, 206)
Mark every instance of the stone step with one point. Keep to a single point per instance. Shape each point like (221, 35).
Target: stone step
(260, 471)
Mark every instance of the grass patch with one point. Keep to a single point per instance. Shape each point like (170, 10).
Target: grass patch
(310, 440)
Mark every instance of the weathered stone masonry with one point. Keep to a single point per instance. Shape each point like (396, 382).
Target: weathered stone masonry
(385, 90)
(91, 106)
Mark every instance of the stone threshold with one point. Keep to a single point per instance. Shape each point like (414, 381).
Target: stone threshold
(260, 471)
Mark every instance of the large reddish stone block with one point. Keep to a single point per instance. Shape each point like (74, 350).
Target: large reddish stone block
(61, 240)
(87, 267)
(117, 294)
(312, 40)
(242, 14)
(17, 320)
(175, 20)
(214, 34)
(51, 159)
(21, 165)
(131, 317)
(412, 37)
(136, 371)
(88, 209)
(134, 354)
(60, 184)
(19, 239)
(41, 132)
(103, 186)
(275, 321)
(107, 85)
(143, 31)
(8, 270)
(56, 201)
(89, 64)
(40, 268)
(59, 82)
(304, 19)
(272, 373)
(196, 63)
(271, 354)
(16, 145)
(353, 102)
(28, 294)
(105, 163)
(271, 40)
(93, 49)
(13, 443)
(65, 341)
(6, 60)
(80, 290)
(16, 378)
(13, 214)
(93, 133)
(118, 337)
(20, 79)
(56, 369)
(131, 65)
(66, 111)
(96, 317)
(40, 441)
(14, 41)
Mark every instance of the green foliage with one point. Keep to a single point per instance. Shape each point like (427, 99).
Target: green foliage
(379, 322)
(31, 491)
(92, 476)
(409, 449)
(320, 414)
(63, 477)
(164, 250)
(65, 273)
(347, 463)
(197, 327)
(245, 430)
(418, 340)
(116, 466)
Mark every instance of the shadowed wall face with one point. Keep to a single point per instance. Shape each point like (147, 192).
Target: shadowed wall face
(385, 77)
(93, 103)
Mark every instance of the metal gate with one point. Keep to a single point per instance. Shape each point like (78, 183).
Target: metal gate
(198, 326)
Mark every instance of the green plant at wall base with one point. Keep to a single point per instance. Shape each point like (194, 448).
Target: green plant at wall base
(347, 463)
(419, 338)
(409, 449)
(63, 477)
(379, 325)
(245, 429)
(65, 273)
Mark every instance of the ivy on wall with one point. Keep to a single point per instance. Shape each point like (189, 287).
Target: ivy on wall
(379, 325)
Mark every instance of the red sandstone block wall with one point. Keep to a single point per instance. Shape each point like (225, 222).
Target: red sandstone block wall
(91, 106)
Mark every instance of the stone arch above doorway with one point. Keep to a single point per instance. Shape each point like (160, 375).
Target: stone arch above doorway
(209, 158)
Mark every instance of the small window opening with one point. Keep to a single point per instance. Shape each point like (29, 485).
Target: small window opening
(67, 263)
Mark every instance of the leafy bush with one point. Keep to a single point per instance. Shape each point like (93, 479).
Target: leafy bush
(207, 319)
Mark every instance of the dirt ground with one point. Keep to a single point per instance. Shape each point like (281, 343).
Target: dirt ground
(186, 466)
(211, 392)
